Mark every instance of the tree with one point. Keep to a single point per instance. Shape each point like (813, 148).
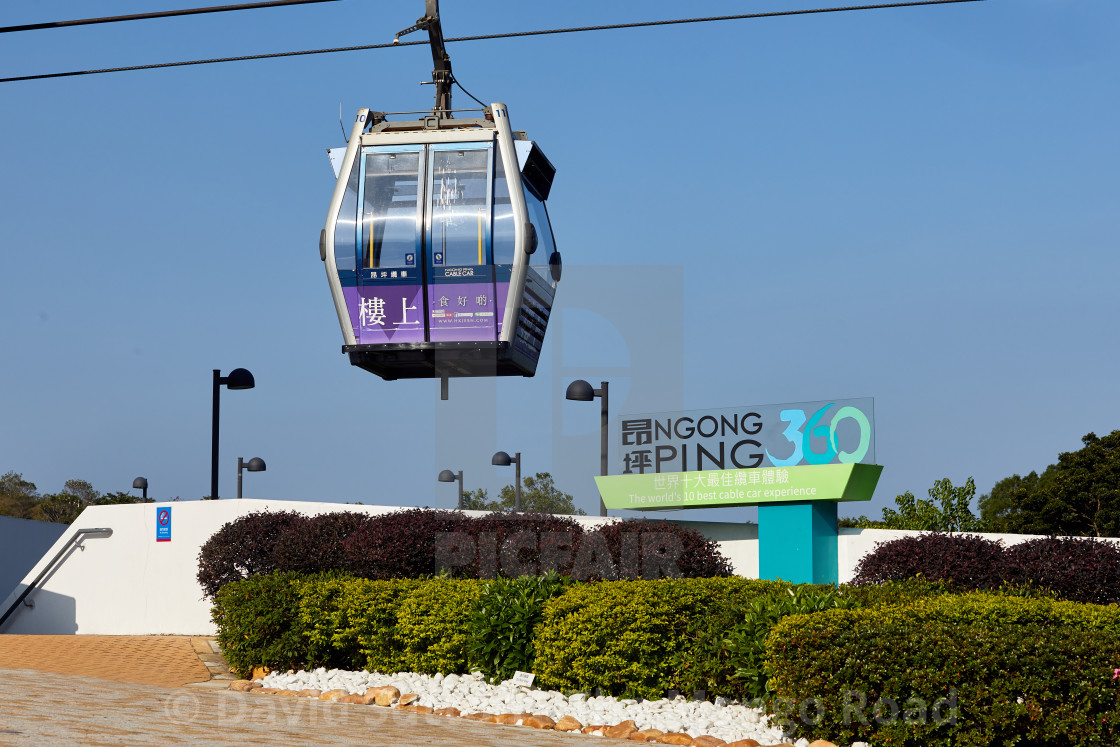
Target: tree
(946, 510)
(477, 500)
(539, 494)
(1078, 496)
(118, 498)
(59, 508)
(81, 490)
(998, 508)
(17, 496)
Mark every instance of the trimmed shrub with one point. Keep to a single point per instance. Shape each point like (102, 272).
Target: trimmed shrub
(313, 544)
(526, 544)
(1011, 671)
(242, 548)
(433, 624)
(1081, 570)
(258, 623)
(399, 545)
(641, 637)
(644, 549)
(503, 624)
(966, 561)
(351, 623)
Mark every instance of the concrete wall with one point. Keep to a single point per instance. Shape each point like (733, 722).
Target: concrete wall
(22, 543)
(129, 584)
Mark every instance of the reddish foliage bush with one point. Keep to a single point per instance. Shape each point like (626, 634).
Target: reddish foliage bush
(966, 561)
(524, 544)
(423, 542)
(399, 545)
(1079, 570)
(315, 543)
(640, 548)
(242, 548)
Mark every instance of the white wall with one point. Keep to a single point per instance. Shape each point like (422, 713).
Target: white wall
(22, 543)
(129, 584)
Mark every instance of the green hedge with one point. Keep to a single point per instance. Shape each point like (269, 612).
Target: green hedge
(433, 624)
(645, 637)
(1023, 671)
(258, 622)
(351, 623)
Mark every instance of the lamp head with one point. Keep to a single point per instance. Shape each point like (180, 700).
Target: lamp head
(447, 476)
(239, 378)
(140, 483)
(256, 464)
(501, 459)
(580, 391)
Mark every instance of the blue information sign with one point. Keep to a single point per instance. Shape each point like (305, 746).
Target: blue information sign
(163, 524)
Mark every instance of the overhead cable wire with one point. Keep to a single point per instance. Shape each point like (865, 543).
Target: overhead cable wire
(481, 37)
(157, 14)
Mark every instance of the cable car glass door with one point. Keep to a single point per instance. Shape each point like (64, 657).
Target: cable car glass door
(390, 282)
(461, 297)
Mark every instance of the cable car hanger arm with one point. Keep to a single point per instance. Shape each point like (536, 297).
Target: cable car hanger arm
(441, 61)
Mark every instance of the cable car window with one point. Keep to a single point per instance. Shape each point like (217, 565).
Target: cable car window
(345, 229)
(389, 212)
(503, 215)
(538, 215)
(459, 210)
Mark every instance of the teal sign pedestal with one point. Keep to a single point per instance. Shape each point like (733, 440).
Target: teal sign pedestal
(797, 542)
(797, 531)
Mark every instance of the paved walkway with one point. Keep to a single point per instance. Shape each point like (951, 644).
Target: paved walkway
(38, 708)
(133, 690)
(165, 660)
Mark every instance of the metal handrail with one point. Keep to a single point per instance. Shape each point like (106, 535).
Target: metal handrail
(50, 567)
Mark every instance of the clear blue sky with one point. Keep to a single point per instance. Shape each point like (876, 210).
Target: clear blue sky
(916, 205)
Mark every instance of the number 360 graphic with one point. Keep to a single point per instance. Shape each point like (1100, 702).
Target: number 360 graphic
(801, 438)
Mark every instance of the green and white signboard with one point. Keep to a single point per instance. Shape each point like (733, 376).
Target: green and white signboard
(795, 462)
(739, 487)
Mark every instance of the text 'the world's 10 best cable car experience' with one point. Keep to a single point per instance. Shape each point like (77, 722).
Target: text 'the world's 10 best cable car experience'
(431, 236)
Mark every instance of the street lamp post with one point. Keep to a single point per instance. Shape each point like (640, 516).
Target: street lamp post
(449, 476)
(238, 378)
(581, 391)
(141, 483)
(502, 459)
(256, 464)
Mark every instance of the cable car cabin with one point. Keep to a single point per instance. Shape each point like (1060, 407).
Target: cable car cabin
(429, 245)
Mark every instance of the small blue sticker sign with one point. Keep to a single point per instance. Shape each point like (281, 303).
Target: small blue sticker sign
(163, 524)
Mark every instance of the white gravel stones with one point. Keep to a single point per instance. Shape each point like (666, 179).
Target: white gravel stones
(470, 693)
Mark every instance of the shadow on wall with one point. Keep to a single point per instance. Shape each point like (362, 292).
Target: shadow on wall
(22, 544)
(42, 613)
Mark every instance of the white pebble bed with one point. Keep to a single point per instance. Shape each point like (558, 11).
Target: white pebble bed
(470, 693)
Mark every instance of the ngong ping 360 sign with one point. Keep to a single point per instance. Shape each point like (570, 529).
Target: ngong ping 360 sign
(806, 433)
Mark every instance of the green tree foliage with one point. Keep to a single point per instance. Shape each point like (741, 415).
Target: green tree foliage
(1078, 496)
(478, 500)
(21, 499)
(997, 508)
(539, 494)
(17, 496)
(946, 510)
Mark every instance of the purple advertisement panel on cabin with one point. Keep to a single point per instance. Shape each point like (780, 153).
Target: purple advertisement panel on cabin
(386, 313)
(462, 312)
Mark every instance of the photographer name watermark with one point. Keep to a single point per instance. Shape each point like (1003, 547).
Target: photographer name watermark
(856, 708)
